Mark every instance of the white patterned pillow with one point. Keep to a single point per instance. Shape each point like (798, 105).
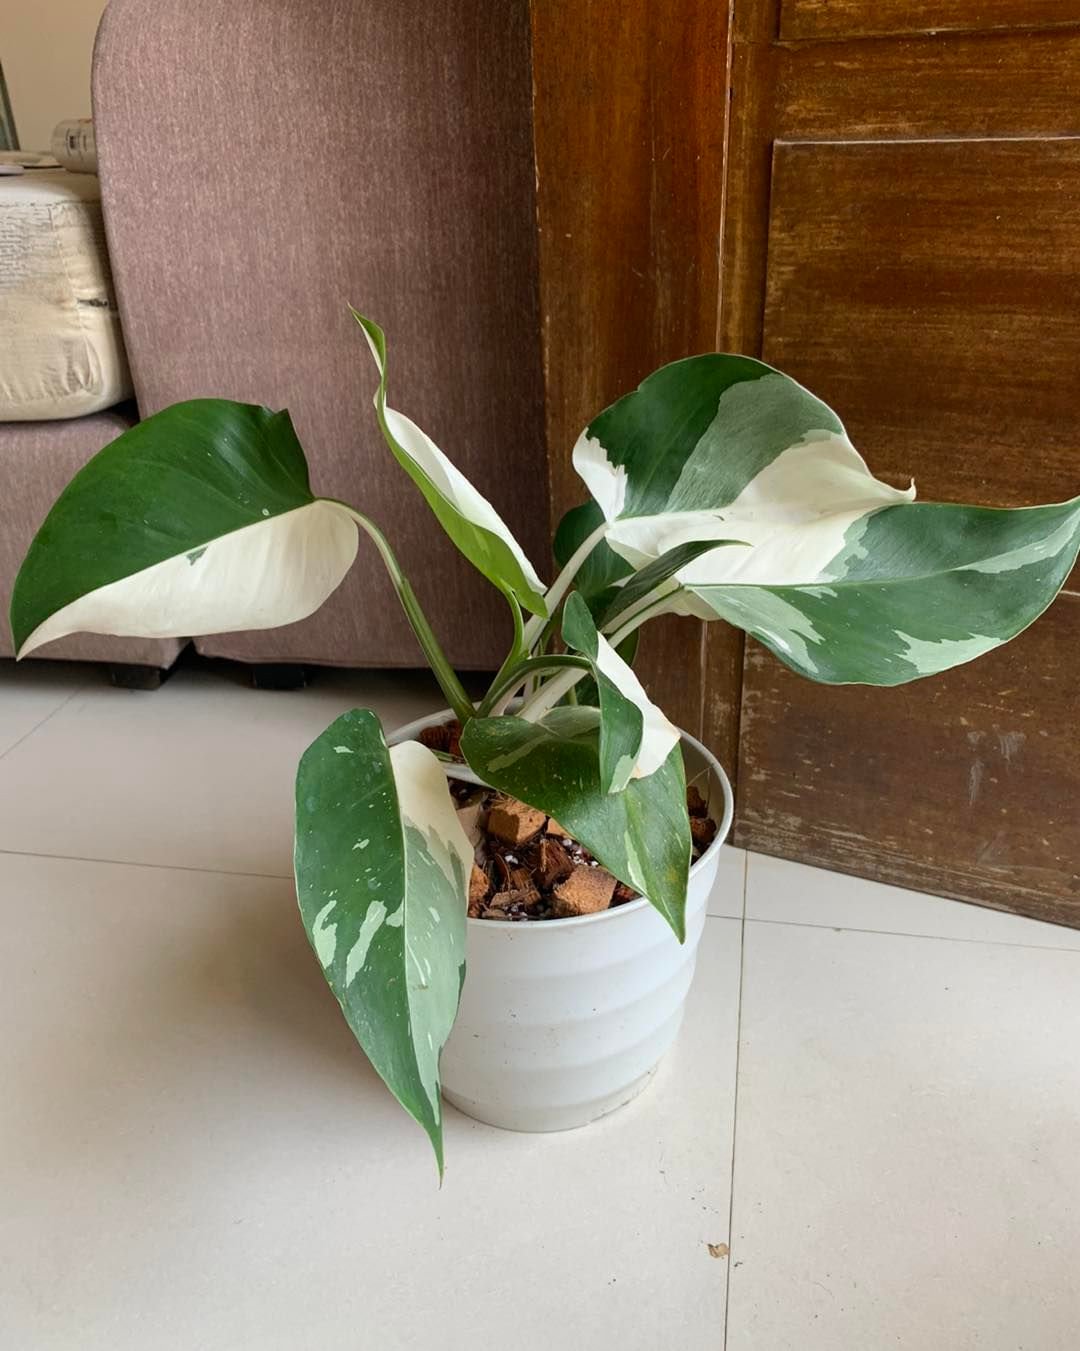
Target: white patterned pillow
(61, 350)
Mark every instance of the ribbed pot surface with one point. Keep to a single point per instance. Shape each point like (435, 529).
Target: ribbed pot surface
(562, 1021)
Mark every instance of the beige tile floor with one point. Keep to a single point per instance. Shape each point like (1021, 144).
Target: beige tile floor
(875, 1099)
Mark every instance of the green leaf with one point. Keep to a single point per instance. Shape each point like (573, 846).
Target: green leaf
(847, 579)
(622, 721)
(197, 520)
(598, 577)
(465, 514)
(641, 835)
(635, 736)
(382, 868)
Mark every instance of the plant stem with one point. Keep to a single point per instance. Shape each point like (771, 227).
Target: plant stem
(517, 651)
(530, 666)
(626, 628)
(443, 672)
(547, 696)
(561, 585)
(544, 636)
(647, 602)
(541, 645)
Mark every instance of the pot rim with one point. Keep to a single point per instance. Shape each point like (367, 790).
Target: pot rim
(408, 733)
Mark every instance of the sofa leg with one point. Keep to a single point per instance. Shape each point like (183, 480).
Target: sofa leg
(278, 675)
(126, 676)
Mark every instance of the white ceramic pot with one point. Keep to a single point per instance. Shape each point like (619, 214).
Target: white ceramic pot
(564, 1020)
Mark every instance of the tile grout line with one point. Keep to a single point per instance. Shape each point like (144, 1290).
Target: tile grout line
(742, 919)
(136, 863)
(217, 872)
(907, 933)
(735, 1105)
(38, 725)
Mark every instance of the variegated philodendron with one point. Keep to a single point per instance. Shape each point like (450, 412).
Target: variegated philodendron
(719, 488)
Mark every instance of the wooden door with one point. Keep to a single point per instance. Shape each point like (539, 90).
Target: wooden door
(903, 235)
(883, 198)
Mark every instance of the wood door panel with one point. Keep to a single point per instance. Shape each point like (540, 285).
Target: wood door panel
(978, 84)
(966, 785)
(930, 292)
(985, 85)
(818, 19)
(902, 232)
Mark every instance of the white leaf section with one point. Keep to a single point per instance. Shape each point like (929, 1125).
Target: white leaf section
(606, 481)
(324, 935)
(375, 353)
(354, 963)
(264, 575)
(794, 514)
(659, 736)
(930, 656)
(425, 803)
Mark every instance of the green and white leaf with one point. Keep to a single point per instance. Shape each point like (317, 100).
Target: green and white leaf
(847, 580)
(198, 520)
(382, 866)
(693, 441)
(916, 590)
(585, 690)
(636, 737)
(641, 835)
(465, 514)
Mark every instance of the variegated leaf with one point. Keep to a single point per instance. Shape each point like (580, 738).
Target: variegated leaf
(641, 835)
(694, 439)
(636, 737)
(382, 866)
(465, 514)
(197, 520)
(847, 579)
(914, 590)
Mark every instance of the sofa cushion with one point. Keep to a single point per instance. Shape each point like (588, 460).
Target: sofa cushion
(63, 355)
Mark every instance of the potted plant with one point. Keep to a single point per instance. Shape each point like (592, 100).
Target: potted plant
(719, 488)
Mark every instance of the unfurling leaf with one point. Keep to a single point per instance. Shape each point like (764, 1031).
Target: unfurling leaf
(382, 864)
(466, 515)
